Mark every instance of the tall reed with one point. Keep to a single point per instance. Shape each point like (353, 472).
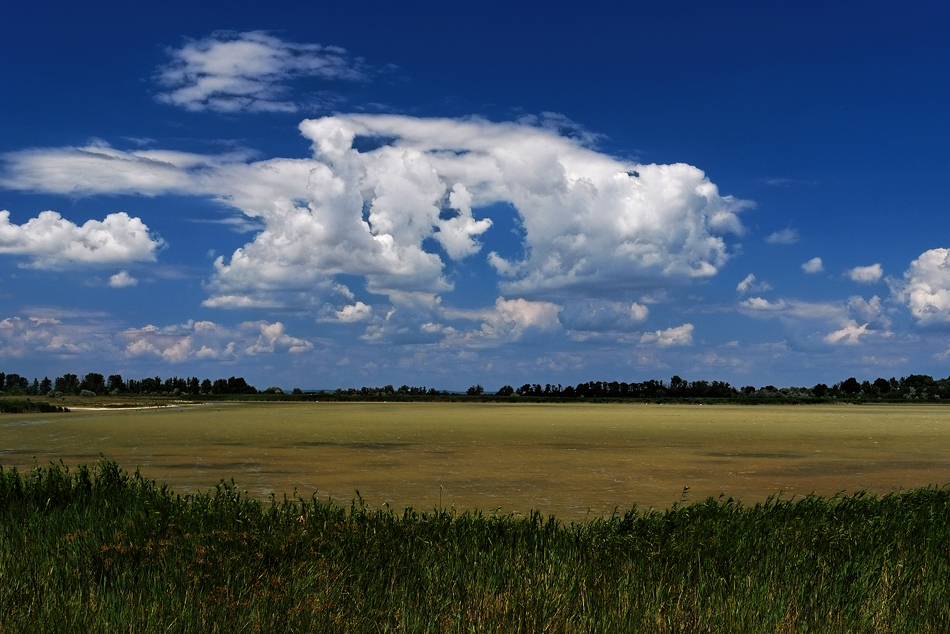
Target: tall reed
(104, 550)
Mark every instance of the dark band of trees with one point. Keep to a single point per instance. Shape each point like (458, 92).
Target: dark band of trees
(97, 385)
(918, 387)
(913, 387)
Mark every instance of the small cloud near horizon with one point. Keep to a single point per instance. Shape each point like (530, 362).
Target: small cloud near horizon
(866, 274)
(814, 265)
(785, 236)
(122, 279)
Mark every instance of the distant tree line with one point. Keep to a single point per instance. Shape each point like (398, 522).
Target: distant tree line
(917, 387)
(389, 390)
(94, 384)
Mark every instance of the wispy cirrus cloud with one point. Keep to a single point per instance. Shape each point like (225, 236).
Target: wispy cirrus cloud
(247, 72)
(824, 323)
(785, 182)
(784, 236)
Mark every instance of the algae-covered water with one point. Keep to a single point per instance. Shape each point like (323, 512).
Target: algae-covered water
(572, 460)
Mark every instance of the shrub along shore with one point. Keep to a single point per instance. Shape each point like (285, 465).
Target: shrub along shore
(104, 550)
(21, 406)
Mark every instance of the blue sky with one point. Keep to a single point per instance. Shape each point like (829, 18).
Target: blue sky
(334, 195)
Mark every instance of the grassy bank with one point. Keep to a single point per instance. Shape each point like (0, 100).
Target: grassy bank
(26, 406)
(107, 551)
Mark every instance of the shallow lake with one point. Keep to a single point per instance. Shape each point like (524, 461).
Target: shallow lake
(572, 460)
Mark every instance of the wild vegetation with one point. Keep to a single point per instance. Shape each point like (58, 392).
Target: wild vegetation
(915, 387)
(25, 407)
(107, 551)
(95, 384)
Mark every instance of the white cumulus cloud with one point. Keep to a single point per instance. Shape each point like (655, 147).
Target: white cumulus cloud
(749, 285)
(272, 337)
(814, 265)
(122, 279)
(850, 334)
(507, 320)
(207, 340)
(354, 312)
(866, 274)
(871, 311)
(592, 223)
(51, 241)
(234, 72)
(588, 222)
(678, 336)
(926, 288)
(523, 314)
(638, 312)
(761, 304)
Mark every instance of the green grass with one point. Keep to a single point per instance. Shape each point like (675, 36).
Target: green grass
(107, 551)
(18, 406)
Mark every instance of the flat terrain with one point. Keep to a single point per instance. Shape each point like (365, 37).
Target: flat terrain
(567, 459)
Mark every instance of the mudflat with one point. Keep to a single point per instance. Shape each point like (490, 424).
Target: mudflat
(573, 460)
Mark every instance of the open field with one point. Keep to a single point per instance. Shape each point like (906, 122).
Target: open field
(566, 459)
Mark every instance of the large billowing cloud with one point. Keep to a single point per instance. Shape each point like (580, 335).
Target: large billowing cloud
(590, 221)
(588, 218)
(231, 72)
(927, 287)
(51, 241)
(592, 224)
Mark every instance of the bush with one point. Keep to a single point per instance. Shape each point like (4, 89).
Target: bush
(24, 407)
